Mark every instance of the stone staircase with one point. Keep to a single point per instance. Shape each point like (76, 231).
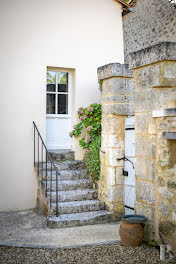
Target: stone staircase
(78, 203)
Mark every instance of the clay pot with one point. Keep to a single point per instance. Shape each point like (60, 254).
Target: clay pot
(132, 230)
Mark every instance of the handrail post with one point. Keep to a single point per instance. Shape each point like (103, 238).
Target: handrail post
(57, 211)
(38, 154)
(34, 145)
(51, 184)
(42, 160)
(46, 169)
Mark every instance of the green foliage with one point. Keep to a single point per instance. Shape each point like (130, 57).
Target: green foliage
(89, 131)
(151, 243)
(92, 158)
(91, 123)
(61, 77)
(100, 85)
(51, 77)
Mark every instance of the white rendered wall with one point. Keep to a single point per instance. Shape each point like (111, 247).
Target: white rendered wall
(76, 34)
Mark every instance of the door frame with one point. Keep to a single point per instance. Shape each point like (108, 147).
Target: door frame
(70, 85)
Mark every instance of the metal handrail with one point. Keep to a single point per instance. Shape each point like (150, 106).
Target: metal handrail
(97, 144)
(52, 164)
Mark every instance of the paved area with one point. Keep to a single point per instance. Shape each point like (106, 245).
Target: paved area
(29, 228)
(25, 239)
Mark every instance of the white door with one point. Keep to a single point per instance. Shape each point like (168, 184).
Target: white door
(130, 195)
(58, 109)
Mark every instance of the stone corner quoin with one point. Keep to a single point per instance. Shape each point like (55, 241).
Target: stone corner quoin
(157, 53)
(114, 70)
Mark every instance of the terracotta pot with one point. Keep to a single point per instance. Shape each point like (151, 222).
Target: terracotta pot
(132, 230)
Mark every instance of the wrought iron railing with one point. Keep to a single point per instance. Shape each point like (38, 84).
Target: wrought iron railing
(99, 148)
(45, 166)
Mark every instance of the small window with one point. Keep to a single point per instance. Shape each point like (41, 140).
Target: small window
(62, 104)
(57, 93)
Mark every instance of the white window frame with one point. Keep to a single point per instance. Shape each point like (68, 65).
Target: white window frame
(56, 93)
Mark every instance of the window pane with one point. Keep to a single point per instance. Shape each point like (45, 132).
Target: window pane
(50, 106)
(62, 82)
(62, 104)
(51, 87)
(51, 81)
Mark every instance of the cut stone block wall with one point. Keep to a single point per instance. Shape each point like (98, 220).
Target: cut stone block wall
(149, 23)
(166, 178)
(117, 103)
(153, 101)
(154, 91)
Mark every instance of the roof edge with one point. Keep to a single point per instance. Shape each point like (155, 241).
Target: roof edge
(124, 3)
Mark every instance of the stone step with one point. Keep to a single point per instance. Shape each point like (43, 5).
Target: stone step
(69, 185)
(64, 165)
(62, 154)
(79, 206)
(66, 174)
(79, 219)
(71, 165)
(75, 195)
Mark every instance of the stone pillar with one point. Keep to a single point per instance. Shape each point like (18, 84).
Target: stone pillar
(117, 103)
(165, 212)
(154, 89)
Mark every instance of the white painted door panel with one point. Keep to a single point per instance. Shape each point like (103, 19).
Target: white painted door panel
(130, 180)
(130, 195)
(57, 133)
(129, 143)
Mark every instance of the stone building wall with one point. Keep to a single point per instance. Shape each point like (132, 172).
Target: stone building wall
(166, 176)
(149, 92)
(117, 103)
(155, 127)
(149, 23)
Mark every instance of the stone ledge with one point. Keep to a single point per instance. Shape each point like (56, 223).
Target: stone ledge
(165, 112)
(159, 52)
(114, 70)
(169, 135)
(122, 109)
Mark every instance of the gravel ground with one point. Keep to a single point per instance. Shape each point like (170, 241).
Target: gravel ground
(103, 254)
